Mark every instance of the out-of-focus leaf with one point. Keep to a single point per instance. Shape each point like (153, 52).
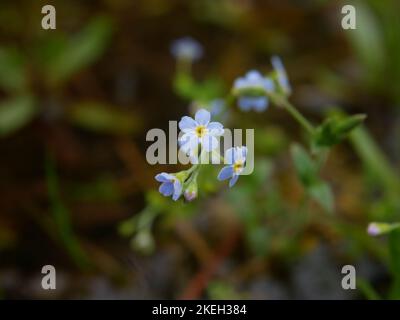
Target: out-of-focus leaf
(61, 217)
(307, 170)
(305, 167)
(13, 75)
(322, 193)
(270, 140)
(186, 87)
(368, 41)
(335, 129)
(219, 290)
(103, 189)
(82, 50)
(375, 161)
(16, 113)
(128, 227)
(102, 118)
(394, 248)
(366, 288)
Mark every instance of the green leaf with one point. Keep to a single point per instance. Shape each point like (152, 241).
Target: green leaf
(376, 161)
(13, 75)
(15, 114)
(82, 50)
(184, 85)
(128, 227)
(305, 167)
(188, 88)
(367, 41)
(394, 248)
(335, 129)
(61, 217)
(322, 194)
(102, 118)
(307, 170)
(345, 126)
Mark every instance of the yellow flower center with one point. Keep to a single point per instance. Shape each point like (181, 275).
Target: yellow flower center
(238, 166)
(201, 131)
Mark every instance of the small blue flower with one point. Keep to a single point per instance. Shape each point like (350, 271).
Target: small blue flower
(252, 90)
(236, 158)
(170, 185)
(199, 131)
(280, 70)
(217, 106)
(187, 48)
(247, 103)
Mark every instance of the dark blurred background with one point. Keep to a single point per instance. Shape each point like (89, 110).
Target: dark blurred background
(76, 104)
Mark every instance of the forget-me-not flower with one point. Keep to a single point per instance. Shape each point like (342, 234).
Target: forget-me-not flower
(282, 77)
(199, 131)
(170, 185)
(235, 158)
(187, 48)
(252, 90)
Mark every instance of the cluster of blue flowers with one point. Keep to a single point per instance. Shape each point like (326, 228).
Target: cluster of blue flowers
(253, 89)
(200, 134)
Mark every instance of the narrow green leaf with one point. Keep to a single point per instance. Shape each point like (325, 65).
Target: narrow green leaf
(102, 118)
(16, 113)
(322, 194)
(367, 41)
(13, 74)
(61, 217)
(82, 50)
(394, 248)
(336, 128)
(345, 126)
(304, 165)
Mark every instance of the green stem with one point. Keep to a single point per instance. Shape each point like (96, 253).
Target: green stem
(192, 168)
(298, 116)
(283, 102)
(196, 169)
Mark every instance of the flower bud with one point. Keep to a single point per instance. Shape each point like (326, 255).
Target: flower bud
(190, 192)
(376, 228)
(143, 242)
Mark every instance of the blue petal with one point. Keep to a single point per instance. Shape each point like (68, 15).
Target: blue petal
(245, 103)
(166, 189)
(215, 129)
(233, 180)
(268, 84)
(177, 189)
(225, 173)
(239, 83)
(239, 153)
(282, 76)
(260, 104)
(230, 156)
(164, 177)
(209, 142)
(244, 152)
(253, 76)
(187, 48)
(187, 123)
(202, 117)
